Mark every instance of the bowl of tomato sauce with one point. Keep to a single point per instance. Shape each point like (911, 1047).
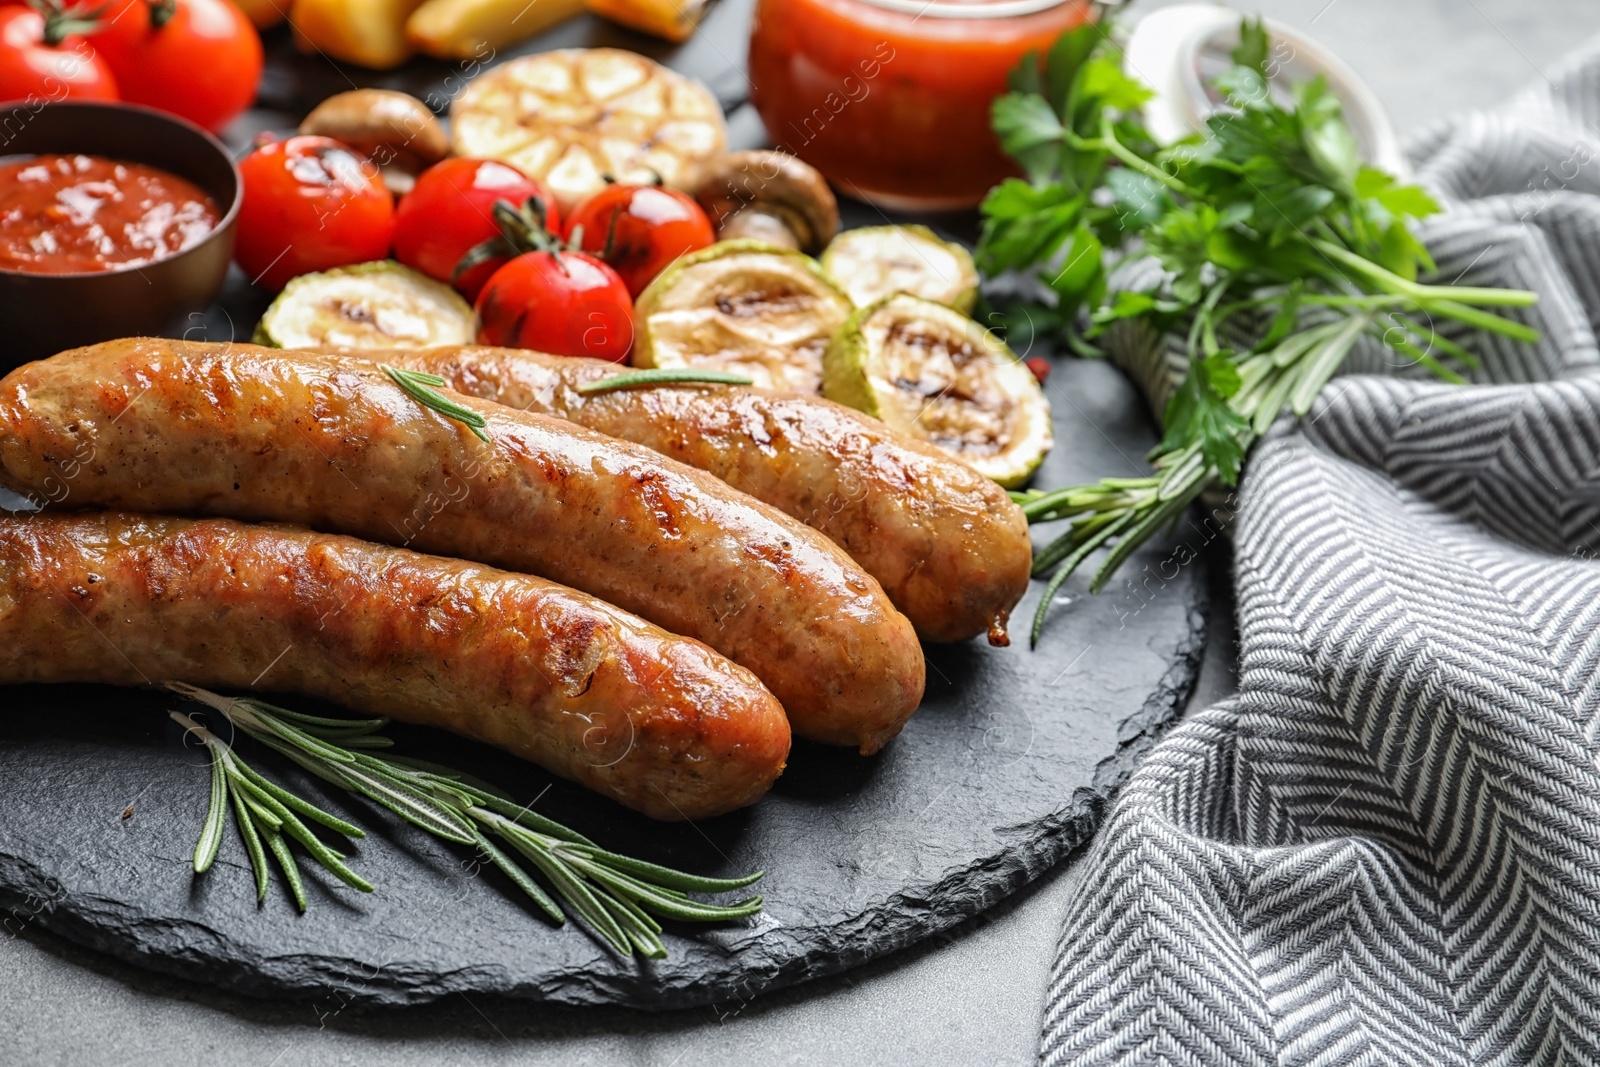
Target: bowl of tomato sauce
(115, 221)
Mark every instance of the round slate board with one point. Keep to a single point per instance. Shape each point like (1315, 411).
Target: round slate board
(1003, 770)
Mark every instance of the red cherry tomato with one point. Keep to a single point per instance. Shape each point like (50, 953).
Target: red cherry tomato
(31, 69)
(567, 304)
(645, 226)
(198, 59)
(451, 210)
(310, 204)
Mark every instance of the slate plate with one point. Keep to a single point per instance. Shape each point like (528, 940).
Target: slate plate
(1003, 771)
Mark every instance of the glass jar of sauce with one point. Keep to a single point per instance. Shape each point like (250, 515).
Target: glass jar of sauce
(890, 98)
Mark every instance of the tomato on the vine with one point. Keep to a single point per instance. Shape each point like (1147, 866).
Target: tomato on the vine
(563, 303)
(640, 230)
(310, 204)
(451, 211)
(199, 59)
(44, 57)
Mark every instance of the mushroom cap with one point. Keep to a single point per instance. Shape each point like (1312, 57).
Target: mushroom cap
(772, 183)
(391, 128)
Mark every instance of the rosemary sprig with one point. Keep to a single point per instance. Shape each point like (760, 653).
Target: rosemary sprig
(664, 376)
(424, 389)
(616, 896)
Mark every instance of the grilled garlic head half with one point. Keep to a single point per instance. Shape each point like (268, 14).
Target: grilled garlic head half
(574, 117)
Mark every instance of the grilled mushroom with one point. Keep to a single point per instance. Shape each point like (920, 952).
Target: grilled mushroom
(395, 130)
(769, 196)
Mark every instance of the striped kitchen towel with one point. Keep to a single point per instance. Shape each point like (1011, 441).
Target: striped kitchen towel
(1386, 848)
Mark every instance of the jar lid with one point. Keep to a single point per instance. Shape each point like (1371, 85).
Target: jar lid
(967, 9)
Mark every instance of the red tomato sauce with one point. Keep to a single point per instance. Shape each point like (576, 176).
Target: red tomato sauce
(72, 214)
(893, 105)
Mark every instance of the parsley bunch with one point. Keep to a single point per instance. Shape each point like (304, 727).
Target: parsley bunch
(1266, 225)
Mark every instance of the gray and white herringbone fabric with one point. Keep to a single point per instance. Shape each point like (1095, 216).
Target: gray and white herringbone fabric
(1386, 848)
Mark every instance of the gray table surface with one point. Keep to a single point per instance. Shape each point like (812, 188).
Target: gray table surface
(973, 996)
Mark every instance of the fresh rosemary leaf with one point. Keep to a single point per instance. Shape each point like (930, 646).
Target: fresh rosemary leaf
(662, 904)
(424, 389)
(252, 847)
(300, 718)
(638, 379)
(642, 918)
(523, 816)
(666, 876)
(291, 870)
(572, 889)
(333, 861)
(1165, 513)
(642, 930)
(520, 879)
(412, 805)
(259, 812)
(307, 742)
(1072, 557)
(205, 850)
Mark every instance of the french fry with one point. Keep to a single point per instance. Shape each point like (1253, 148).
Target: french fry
(369, 33)
(672, 20)
(463, 29)
(264, 14)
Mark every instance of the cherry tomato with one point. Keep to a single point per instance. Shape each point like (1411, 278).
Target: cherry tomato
(199, 59)
(564, 303)
(640, 230)
(70, 68)
(451, 210)
(310, 204)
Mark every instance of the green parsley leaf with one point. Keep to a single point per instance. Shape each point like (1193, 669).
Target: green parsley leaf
(1082, 273)
(1254, 50)
(1066, 59)
(1410, 200)
(1024, 224)
(1245, 89)
(1025, 77)
(1199, 412)
(1104, 80)
(1327, 138)
(1029, 132)
(1140, 200)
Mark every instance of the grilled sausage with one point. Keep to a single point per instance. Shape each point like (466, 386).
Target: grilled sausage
(946, 543)
(257, 433)
(659, 722)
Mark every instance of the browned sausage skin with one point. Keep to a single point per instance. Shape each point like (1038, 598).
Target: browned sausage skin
(661, 723)
(947, 544)
(257, 433)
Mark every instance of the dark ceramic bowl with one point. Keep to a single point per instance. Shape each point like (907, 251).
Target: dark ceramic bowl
(41, 314)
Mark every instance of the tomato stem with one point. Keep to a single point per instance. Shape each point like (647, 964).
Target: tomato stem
(522, 229)
(61, 22)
